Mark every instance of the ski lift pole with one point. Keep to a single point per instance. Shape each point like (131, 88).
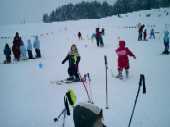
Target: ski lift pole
(141, 83)
(106, 68)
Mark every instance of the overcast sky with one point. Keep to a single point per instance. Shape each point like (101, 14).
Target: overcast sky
(19, 11)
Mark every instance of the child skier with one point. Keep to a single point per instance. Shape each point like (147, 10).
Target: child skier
(152, 34)
(29, 49)
(80, 36)
(99, 38)
(74, 59)
(166, 42)
(123, 61)
(37, 47)
(145, 35)
(7, 53)
(23, 51)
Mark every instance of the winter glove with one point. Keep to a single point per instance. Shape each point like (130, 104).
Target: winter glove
(134, 57)
(63, 62)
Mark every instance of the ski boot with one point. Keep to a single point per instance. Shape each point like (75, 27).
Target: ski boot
(71, 78)
(127, 73)
(120, 76)
(77, 80)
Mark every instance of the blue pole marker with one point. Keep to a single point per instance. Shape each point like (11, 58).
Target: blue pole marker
(40, 65)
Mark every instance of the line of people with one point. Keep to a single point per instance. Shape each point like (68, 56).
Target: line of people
(142, 36)
(142, 33)
(98, 35)
(20, 51)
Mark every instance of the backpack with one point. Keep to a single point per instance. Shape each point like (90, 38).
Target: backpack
(69, 98)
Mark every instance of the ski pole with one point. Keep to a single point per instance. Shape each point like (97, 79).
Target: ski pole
(89, 79)
(64, 119)
(106, 67)
(86, 89)
(141, 82)
(58, 117)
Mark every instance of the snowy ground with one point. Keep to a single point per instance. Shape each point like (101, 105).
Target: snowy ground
(27, 99)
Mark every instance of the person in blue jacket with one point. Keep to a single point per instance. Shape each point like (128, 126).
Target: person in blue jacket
(29, 49)
(166, 42)
(152, 34)
(23, 51)
(37, 47)
(7, 53)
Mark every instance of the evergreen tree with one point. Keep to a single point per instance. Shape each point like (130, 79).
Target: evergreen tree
(45, 18)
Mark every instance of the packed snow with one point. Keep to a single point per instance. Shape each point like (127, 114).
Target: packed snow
(28, 99)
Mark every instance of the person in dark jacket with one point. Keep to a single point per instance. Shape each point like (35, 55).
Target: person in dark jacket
(16, 46)
(80, 36)
(87, 115)
(99, 38)
(140, 36)
(166, 42)
(7, 53)
(74, 58)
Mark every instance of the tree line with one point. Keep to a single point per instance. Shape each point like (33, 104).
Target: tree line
(96, 10)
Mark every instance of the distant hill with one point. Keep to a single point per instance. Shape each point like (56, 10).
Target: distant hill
(96, 10)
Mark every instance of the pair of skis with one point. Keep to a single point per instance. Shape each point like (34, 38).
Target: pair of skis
(85, 79)
(62, 82)
(66, 81)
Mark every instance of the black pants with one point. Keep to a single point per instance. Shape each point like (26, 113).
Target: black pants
(38, 53)
(73, 71)
(30, 56)
(166, 46)
(8, 59)
(140, 36)
(166, 50)
(99, 41)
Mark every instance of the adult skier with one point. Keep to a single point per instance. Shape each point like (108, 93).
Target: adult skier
(74, 58)
(16, 46)
(140, 31)
(123, 62)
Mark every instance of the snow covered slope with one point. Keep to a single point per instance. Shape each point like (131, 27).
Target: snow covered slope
(27, 99)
